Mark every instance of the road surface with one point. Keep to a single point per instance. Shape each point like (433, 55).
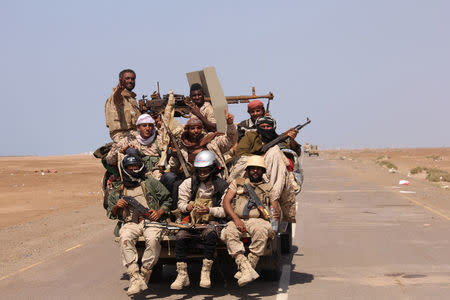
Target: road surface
(357, 237)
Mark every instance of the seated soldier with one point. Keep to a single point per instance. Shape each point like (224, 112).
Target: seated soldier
(276, 162)
(193, 140)
(151, 194)
(147, 141)
(200, 109)
(255, 109)
(201, 196)
(259, 228)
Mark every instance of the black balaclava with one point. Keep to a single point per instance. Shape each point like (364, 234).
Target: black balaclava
(267, 135)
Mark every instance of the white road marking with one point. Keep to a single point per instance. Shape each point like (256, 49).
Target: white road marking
(285, 280)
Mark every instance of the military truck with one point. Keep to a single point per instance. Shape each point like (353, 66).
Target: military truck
(269, 265)
(314, 150)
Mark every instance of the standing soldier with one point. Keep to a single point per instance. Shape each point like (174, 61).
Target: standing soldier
(201, 196)
(254, 223)
(121, 109)
(156, 198)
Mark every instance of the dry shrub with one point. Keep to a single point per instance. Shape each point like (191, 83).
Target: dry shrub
(436, 175)
(417, 170)
(387, 164)
(434, 157)
(433, 174)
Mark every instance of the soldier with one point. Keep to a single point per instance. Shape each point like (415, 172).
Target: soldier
(193, 141)
(154, 196)
(201, 109)
(121, 109)
(260, 230)
(146, 140)
(255, 109)
(276, 162)
(201, 196)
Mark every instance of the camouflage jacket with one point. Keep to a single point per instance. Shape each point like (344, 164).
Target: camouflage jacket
(156, 194)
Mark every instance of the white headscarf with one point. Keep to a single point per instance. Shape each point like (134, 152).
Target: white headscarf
(146, 119)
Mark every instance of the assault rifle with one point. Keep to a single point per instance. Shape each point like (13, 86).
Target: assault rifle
(177, 147)
(281, 138)
(139, 208)
(156, 103)
(254, 201)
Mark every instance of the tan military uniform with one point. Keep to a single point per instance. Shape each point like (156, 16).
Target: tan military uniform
(280, 179)
(259, 229)
(205, 191)
(219, 145)
(207, 110)
(121, 118)
(131, 231)
(152, 150)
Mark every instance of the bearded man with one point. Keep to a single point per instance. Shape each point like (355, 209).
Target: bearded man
(260, 229)
(276, 162)
(121, 109)
(194, 140)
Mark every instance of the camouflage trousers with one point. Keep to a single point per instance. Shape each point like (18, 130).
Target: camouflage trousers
(260, 231)
(129, 234)
(283, 183)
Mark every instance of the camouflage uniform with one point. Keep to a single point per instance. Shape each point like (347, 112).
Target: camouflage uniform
(259, 229)
(121, 118)
(152, 194)
(207, 110)
(151, 153)
(219, 145)
(209, 194)
(276, 166)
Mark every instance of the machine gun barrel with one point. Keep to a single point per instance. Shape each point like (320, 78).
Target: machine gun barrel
(182, 109)
(283, 137)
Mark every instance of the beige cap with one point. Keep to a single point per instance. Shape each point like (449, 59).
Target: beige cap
(255, 161)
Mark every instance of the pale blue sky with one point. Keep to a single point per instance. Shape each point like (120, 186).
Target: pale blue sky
(368, 73)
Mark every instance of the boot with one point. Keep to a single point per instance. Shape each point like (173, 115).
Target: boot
(205, 279)
(137, 283)
(248, 274)
(253, 259)
(146, 273)
(182, 279)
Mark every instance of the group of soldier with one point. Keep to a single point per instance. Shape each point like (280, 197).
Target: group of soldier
(191, 174)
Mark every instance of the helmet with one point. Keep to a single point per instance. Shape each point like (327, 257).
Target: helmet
(255, 161)
(204, 158)
(130, 160)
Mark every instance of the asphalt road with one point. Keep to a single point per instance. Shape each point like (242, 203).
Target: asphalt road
(357, 238)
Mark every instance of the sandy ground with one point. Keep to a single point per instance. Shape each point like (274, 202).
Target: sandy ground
(404, 159)
(29, 188)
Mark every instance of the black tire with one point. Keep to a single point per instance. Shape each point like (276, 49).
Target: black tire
(286, 240)
(272, 264)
